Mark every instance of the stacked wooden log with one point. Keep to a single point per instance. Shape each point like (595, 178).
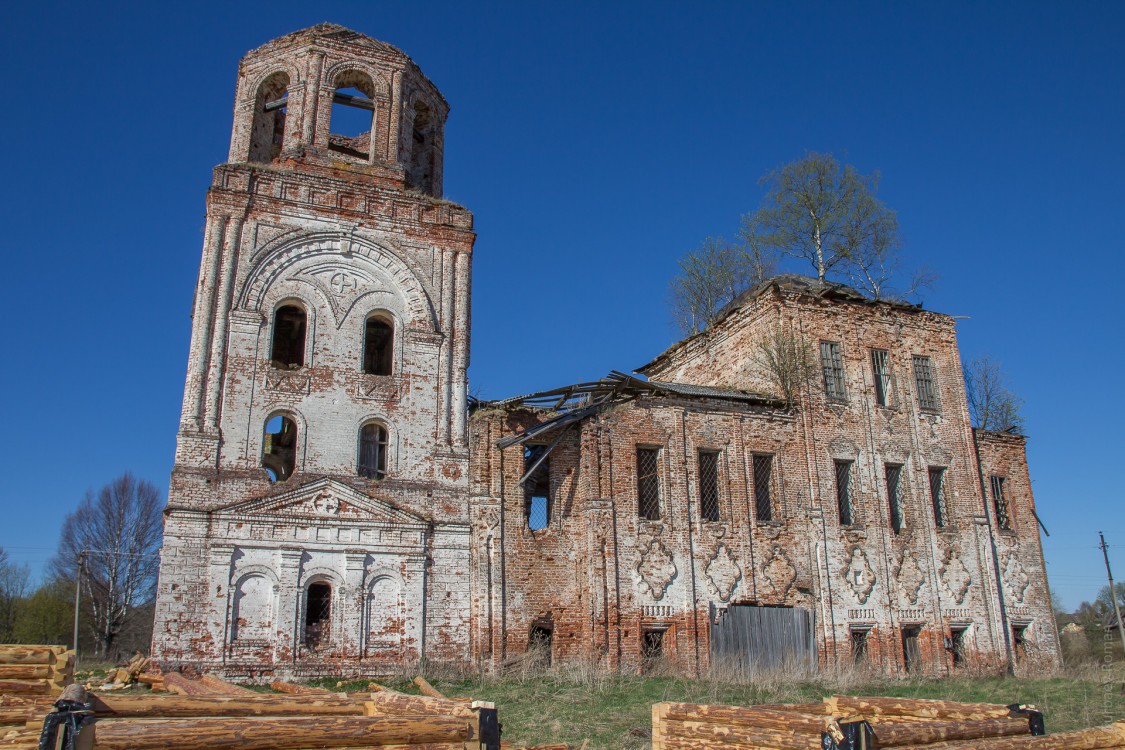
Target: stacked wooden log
(35, 670)
(849, 723)
(228, 716)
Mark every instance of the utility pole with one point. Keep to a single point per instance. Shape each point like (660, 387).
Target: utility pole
(1112, 589)
(77, 597)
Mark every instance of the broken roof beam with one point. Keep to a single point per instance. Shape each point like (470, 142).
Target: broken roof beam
(349, 100)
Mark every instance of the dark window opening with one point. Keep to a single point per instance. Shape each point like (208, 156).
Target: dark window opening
(422, 146)
(648, 483)
(373, 451)
(378, 346)
(288, 350)
(860, 652)
(652, 647)
(279, 448)
(709, 485)
(882, 371)
(318, 615)
(844, 506)
(911, 648)
(763, 474)
(539, 644)
(832, 365)
(924, 380)
(937, 495)
(1000, 503)
(353, 116)
(893, 473)
(537, 486)
(957, 646)
(267, 132)
(1019, 642)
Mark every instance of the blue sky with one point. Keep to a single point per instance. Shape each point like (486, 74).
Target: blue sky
(595, 143)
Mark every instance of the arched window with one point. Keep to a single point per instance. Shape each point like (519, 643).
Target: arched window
(421, 147)
(267, 133)
(288, 350)
(279, 447)
(373, 451)
(318, 615)
(352, 119)
(378, 346)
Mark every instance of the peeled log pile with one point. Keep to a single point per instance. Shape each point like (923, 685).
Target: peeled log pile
(35, 670)
(224, 687)
(294, 689)
(174, 682)
(896, 734)
(388, 702)
(260, 704)
(1095, 738)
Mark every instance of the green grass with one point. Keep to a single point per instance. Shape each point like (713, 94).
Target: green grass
(614, 711)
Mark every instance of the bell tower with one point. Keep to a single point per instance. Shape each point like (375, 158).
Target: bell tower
(317, 512)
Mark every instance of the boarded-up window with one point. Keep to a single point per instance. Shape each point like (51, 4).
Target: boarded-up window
(832, 365)
(1000, 502)
(253, 609)
(911, 649)
(709, 485)
(288, 348)
(893, 473)
(763, 478)
(373, 451)
(882, 371)
(924, 381)
(844, 506)
(937, 496)
(648, 483)
(537, 486)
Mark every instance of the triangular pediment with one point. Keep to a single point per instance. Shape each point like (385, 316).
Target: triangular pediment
(325, 499)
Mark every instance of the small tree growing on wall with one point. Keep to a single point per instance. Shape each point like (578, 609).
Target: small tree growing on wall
(785, 359)
(991, 405)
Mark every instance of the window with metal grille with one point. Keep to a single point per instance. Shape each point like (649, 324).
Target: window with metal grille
(648, 483)
(844, 493)
(924, 381)
(537, 486)
(937, 495)
(1000, 502)
(833, 366)
(763, 475)
(372, 451)
(893, 473)
(880, 366)
(709, 485)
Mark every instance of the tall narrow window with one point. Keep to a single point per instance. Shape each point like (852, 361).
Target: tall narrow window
(833, 366)
(267, 132)
(288, 350)
(372, 451)
(378, 346)
(1019, 642)
(882, 371)
(537, 486)
(957, 646)
(648, 483)
(709, 485)
(1000, 502)
(911, 648)
(924, 381)
(763, 477)
(279, 447)
(937, 495)
(844, 493)
(318, 615)
(893, 473)
(859, 646)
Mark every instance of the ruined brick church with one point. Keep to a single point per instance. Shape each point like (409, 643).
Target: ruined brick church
(338, 504)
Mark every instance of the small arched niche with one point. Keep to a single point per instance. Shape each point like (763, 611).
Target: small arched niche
(352, 122)
(267, 134)
(279, 447)
(422, 147)
(287, 349)
(378, 344)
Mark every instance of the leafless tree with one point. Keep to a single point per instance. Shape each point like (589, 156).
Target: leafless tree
(991, 405)
(13, 588)
(111, 540)
(785, 359)
(710, 277)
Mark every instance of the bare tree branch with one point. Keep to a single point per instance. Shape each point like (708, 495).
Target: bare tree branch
(710, 277)
(786, 361)
(991, 405)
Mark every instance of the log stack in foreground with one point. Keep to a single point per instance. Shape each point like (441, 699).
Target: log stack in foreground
(227, 716)
(35, 670)
(850, 723)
